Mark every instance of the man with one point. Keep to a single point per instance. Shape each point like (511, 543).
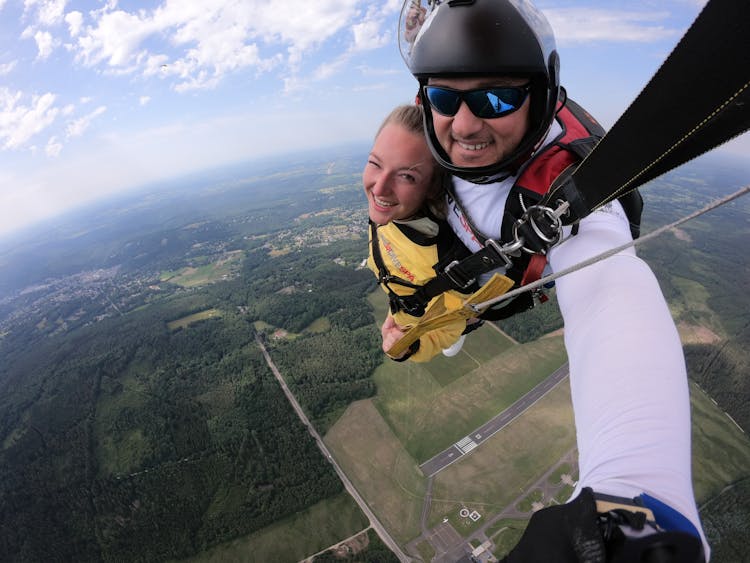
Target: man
(496, 117)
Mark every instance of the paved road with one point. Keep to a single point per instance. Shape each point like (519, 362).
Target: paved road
(455, 452)
(374, 522)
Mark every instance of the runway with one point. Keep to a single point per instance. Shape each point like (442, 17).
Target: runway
(455, 452)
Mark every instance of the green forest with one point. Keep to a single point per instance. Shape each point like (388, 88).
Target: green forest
(140, 444)
(127, 441)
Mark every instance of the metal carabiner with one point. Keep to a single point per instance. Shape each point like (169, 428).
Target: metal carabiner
(547, 233)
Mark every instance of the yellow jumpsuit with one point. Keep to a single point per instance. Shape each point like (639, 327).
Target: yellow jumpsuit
(412, 258)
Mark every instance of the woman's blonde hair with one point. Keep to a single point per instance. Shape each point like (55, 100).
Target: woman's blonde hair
(410, 117)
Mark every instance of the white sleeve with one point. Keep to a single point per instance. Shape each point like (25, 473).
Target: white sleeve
(627, 370)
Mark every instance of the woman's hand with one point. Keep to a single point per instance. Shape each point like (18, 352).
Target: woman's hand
(391, 333)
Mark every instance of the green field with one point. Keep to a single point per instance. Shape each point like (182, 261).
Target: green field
(293, 538)
(721, 451)
(502, 469)
(195, 276)
(422, 408)
(428, 416)
(185, 322)
(428, 412)
(380, 468)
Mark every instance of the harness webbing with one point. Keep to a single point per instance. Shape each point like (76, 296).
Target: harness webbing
(599, 257)
(697, 100)
(551, 165)
(450, 249)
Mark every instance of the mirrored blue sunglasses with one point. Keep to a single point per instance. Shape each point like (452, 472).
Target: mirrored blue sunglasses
(485, 103)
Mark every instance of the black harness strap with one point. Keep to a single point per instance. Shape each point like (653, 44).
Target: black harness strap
(384, 276)
(698, 99)
(550, 167)
(449, 250)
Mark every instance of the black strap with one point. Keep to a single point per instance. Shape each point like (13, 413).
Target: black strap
(384, 276)
(698, 99)
(450, 250)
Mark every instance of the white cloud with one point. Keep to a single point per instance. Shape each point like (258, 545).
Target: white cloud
(75, 22)
(19, 122)
(143, 100)
(77, 127)
(367, 36)
(115, 39)
(330, 68)
(367, 33)
(215, 39)
(581, 25)
(7, 67)
(53, 147)
(45, 43)
(51, 12)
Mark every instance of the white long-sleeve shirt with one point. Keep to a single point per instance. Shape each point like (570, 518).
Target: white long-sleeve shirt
(627, 372)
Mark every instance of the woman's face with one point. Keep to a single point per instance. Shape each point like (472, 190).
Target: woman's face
(398, 175)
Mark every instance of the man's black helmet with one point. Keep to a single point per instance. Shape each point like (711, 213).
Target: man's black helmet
(455, 38)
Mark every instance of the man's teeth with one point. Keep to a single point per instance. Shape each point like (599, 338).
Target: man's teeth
(469, 147)
(382, 203)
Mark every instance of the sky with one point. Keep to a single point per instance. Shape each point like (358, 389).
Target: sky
(102, 96)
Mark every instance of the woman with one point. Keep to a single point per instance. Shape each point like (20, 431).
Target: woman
(408, 233)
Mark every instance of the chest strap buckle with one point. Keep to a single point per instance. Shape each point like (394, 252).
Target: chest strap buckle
(457, 276)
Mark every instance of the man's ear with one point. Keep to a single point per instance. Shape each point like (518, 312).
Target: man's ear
(417, 99)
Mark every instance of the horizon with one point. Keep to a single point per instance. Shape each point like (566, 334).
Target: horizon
(101, 100)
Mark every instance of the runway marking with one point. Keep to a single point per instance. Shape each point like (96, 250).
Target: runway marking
(496, 423)
(466, 445)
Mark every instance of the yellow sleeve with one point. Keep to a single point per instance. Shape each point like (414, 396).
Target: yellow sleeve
(434, 341)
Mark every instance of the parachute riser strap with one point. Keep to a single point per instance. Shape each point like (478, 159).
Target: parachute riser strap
(540, 227)
(538, 230)
(688, 124)
(599, 257)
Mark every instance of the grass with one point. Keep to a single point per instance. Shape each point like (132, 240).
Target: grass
(495, 474)
(427, 409)
(507, 536)
(721, 451)
(464, 525)
(319, 325)
(294, 538)
(380, 468)
(535, 496)
(185, 322)
(203, 275)
(556, 476)
(428, 417)
(426, 551)
(562, 496)
(692, 302)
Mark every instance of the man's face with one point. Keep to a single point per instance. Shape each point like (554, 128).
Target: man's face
(470, 141)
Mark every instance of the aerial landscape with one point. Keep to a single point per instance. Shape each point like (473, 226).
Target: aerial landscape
(195, 195)
(147, 343)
